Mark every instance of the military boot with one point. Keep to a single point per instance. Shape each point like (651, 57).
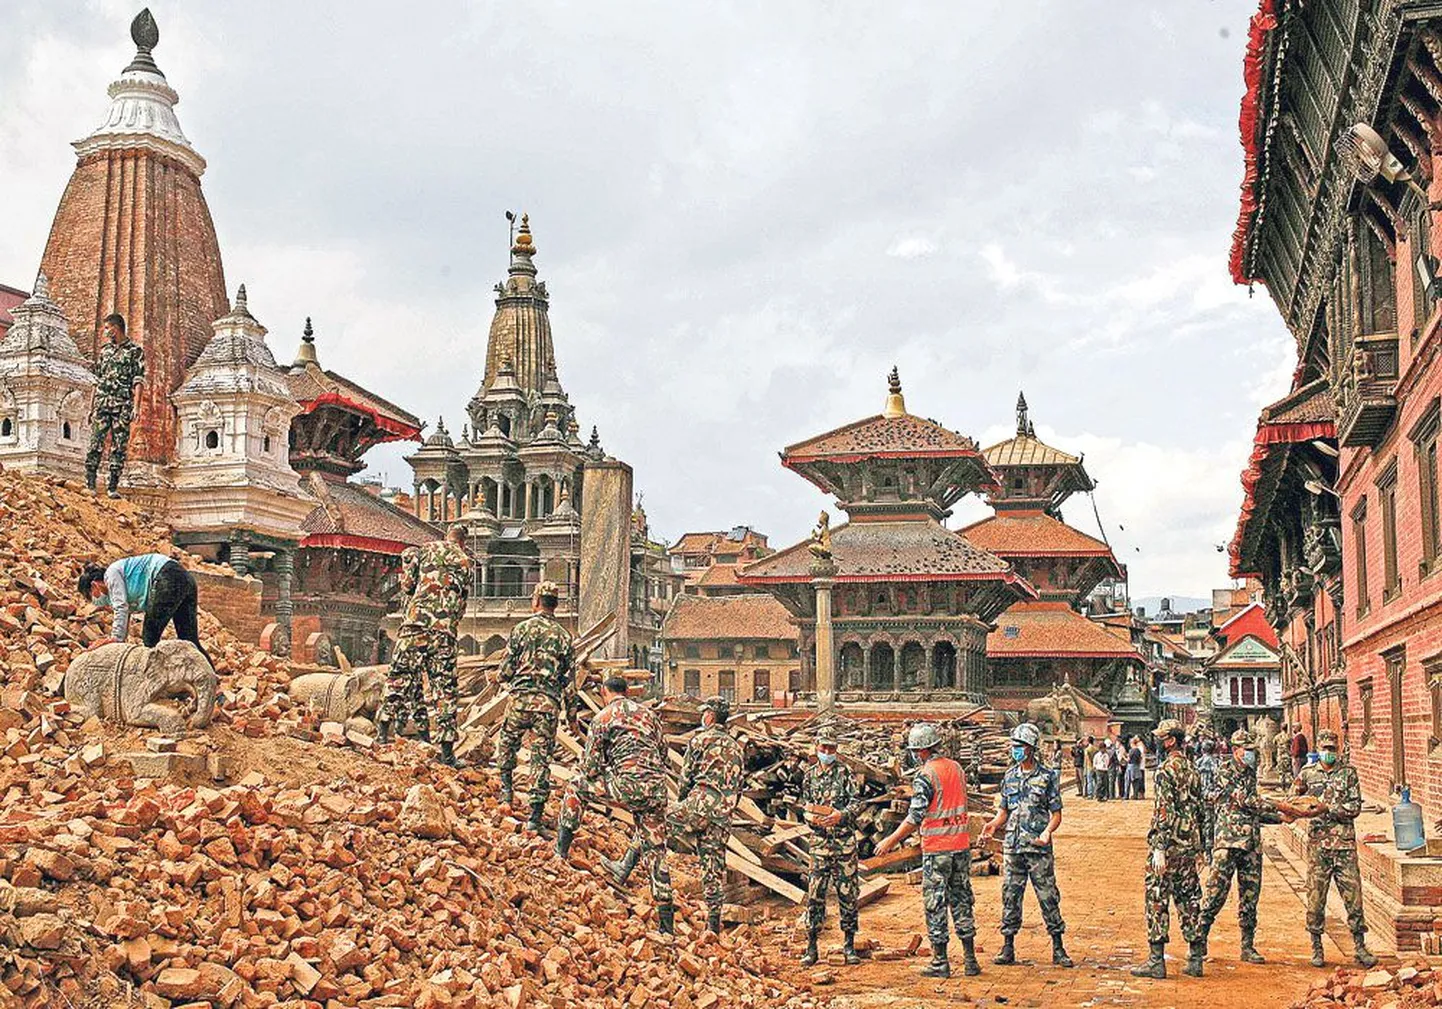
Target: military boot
(1249, 951)
(90, 476)
(1319, 958)
(621, 871)
(940, 966)
(667, 915)
(383, 732)
(1008, 951)
(811, 955)
(849, 950)
(713, 920)
(1155, 964)
(1360, 952)
(1195, 956)
(1058, 953)
(564, 837)
(968, 949)
(448, 754)
(423, 731)
(112, 486)
(533, 825)
(508, 789)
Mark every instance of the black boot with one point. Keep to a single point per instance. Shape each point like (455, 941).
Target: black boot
(968, 950)
(1195, 955)
(667, 914)
(1155, 964)
(1058, 953)
(1008, 951)
(940, 966)
(1319, 958)
(112, 486)
(90, 476)
(383, 733)
(508, 788)
(811, 955)
(423, 730)
(1249, 951)
(1360, 952)
(713, 920)
(621, 871)
(849, 950)
(533, 825)
(448, 754)
(564, 837)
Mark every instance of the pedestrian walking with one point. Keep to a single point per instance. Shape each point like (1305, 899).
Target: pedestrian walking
(1078, 759)
(118, 374)
(1129, 772)
(710, 785)
(1030, 810)
(829, 795)
(1116, 767)
(1299, 749)
(1173, 843)
(938, 809)
(421, 683)
(1138, 756)
(1332, 846)
(1101, 769)
(625, 758)
(1238, 842)
(538, 670)
(152, 584)
(1091, 767)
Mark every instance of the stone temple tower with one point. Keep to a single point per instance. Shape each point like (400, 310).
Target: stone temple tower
(133, 235)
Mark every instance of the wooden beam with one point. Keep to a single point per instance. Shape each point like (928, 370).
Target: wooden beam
(770, 880)
(873, 889)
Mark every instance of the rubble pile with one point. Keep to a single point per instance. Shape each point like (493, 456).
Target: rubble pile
(1411, 986)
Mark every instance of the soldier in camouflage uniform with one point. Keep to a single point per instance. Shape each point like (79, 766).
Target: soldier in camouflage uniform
(626, 758)
(1174, 842)
(711, 775)
(1332, 846)
(423, 669)
(1237, 842)
(829, 793)
(1030, 809)
(118, 372)
(538, 670)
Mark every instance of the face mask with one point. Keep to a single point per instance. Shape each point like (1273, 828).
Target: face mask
(1249, 757)
(827, 759)
(1018, 753)
(1328, 757)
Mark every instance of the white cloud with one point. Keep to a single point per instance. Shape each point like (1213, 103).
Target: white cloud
(911, 247)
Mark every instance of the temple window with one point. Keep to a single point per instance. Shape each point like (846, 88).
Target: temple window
(7, 428)
(1391, 569)
(212, 439)
(1359, 543)
(1424, 441)
(1364, 696)
(65, 431)
(265, 444)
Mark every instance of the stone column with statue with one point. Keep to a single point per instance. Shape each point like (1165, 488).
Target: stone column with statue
(823, 573)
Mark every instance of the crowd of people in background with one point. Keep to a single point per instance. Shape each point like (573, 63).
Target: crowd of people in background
(1108, 768)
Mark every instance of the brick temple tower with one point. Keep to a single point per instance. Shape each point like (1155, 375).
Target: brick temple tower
(133, 235)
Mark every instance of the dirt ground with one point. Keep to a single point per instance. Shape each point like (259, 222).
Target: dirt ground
(1100, 854)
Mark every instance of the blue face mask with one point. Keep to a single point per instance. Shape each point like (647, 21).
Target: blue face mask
(1018, 753)
(827, 759)
(1328, 757)
(1249, 757)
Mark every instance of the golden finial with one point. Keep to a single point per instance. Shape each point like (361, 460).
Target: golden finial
(895, 405)
(523, 237)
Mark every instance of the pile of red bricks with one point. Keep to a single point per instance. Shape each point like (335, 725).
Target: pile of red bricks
(1412, 986)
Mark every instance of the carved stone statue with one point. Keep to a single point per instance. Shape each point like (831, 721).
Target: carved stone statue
(1361, 365)
(1282, 754)
(1057, 713)
(169, 687)
(1266, 764)
(820, 546)
(337, 697)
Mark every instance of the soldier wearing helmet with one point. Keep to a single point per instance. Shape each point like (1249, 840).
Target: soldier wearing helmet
(1174, 842)
(938, 809)
(829, 795)
(710, 786)
(1030, 810)
(1332, 846)
(538, 669)
(1237, 842)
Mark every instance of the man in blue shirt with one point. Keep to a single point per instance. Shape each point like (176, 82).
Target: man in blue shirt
(151, 584)
(1030, 809)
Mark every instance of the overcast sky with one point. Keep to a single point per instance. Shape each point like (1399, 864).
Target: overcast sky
(746, 213)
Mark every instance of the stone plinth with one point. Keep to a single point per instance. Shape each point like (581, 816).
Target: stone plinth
(606, 550)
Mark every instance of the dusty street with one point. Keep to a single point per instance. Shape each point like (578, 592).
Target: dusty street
(1100, 852)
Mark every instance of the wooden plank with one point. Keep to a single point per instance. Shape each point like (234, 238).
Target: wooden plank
(893, 861)
(740, 849)
(489, 713)
(873, 889)
(782, 834)
(751, 811)
(770, 880)
(569, 741)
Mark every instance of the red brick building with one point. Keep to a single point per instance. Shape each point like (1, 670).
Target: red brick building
(9, 298)
(742, 647)
(1341, 513)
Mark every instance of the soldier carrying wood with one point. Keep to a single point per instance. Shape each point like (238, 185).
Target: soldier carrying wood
(831, 800)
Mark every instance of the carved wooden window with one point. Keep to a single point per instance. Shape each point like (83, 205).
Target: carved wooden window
(1375, 284)
(1359, 544)
(691, 682)
(693, 651)
(1391, 570)
(1364, 697)
(1261, 691)
(1396, 659)
(1424, 440)
(1432, 674)
(726, 684)
(761, 686)
(1423, 264)
(762, 651)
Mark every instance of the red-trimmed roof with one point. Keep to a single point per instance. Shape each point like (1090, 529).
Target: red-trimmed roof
(1033, 534)
(743, 617)
(889, 551)
(1250, 622)
(1262, 24)
(314, 387)
(718, 575)
(1043, 629)
(351, 517)
(900, 437)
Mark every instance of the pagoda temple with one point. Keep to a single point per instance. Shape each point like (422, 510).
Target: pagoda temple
(1039, 644)
(906, 603)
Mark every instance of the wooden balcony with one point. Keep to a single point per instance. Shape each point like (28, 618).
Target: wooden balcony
(1369, 401)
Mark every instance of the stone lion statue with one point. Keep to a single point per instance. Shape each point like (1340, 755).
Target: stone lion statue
(170, 687)
(337, 697)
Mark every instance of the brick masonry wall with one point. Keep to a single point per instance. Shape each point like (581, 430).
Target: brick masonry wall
(133, 235)
(234, 601)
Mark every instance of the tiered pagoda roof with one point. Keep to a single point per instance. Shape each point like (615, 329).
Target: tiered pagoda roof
(1033, 475)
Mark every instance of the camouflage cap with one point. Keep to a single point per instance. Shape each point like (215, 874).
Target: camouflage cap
(1170, 726)
(1326, 737)
(1027, 734)
(548, 589)
(720, 706)
(1243, 738)
(826, 737)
